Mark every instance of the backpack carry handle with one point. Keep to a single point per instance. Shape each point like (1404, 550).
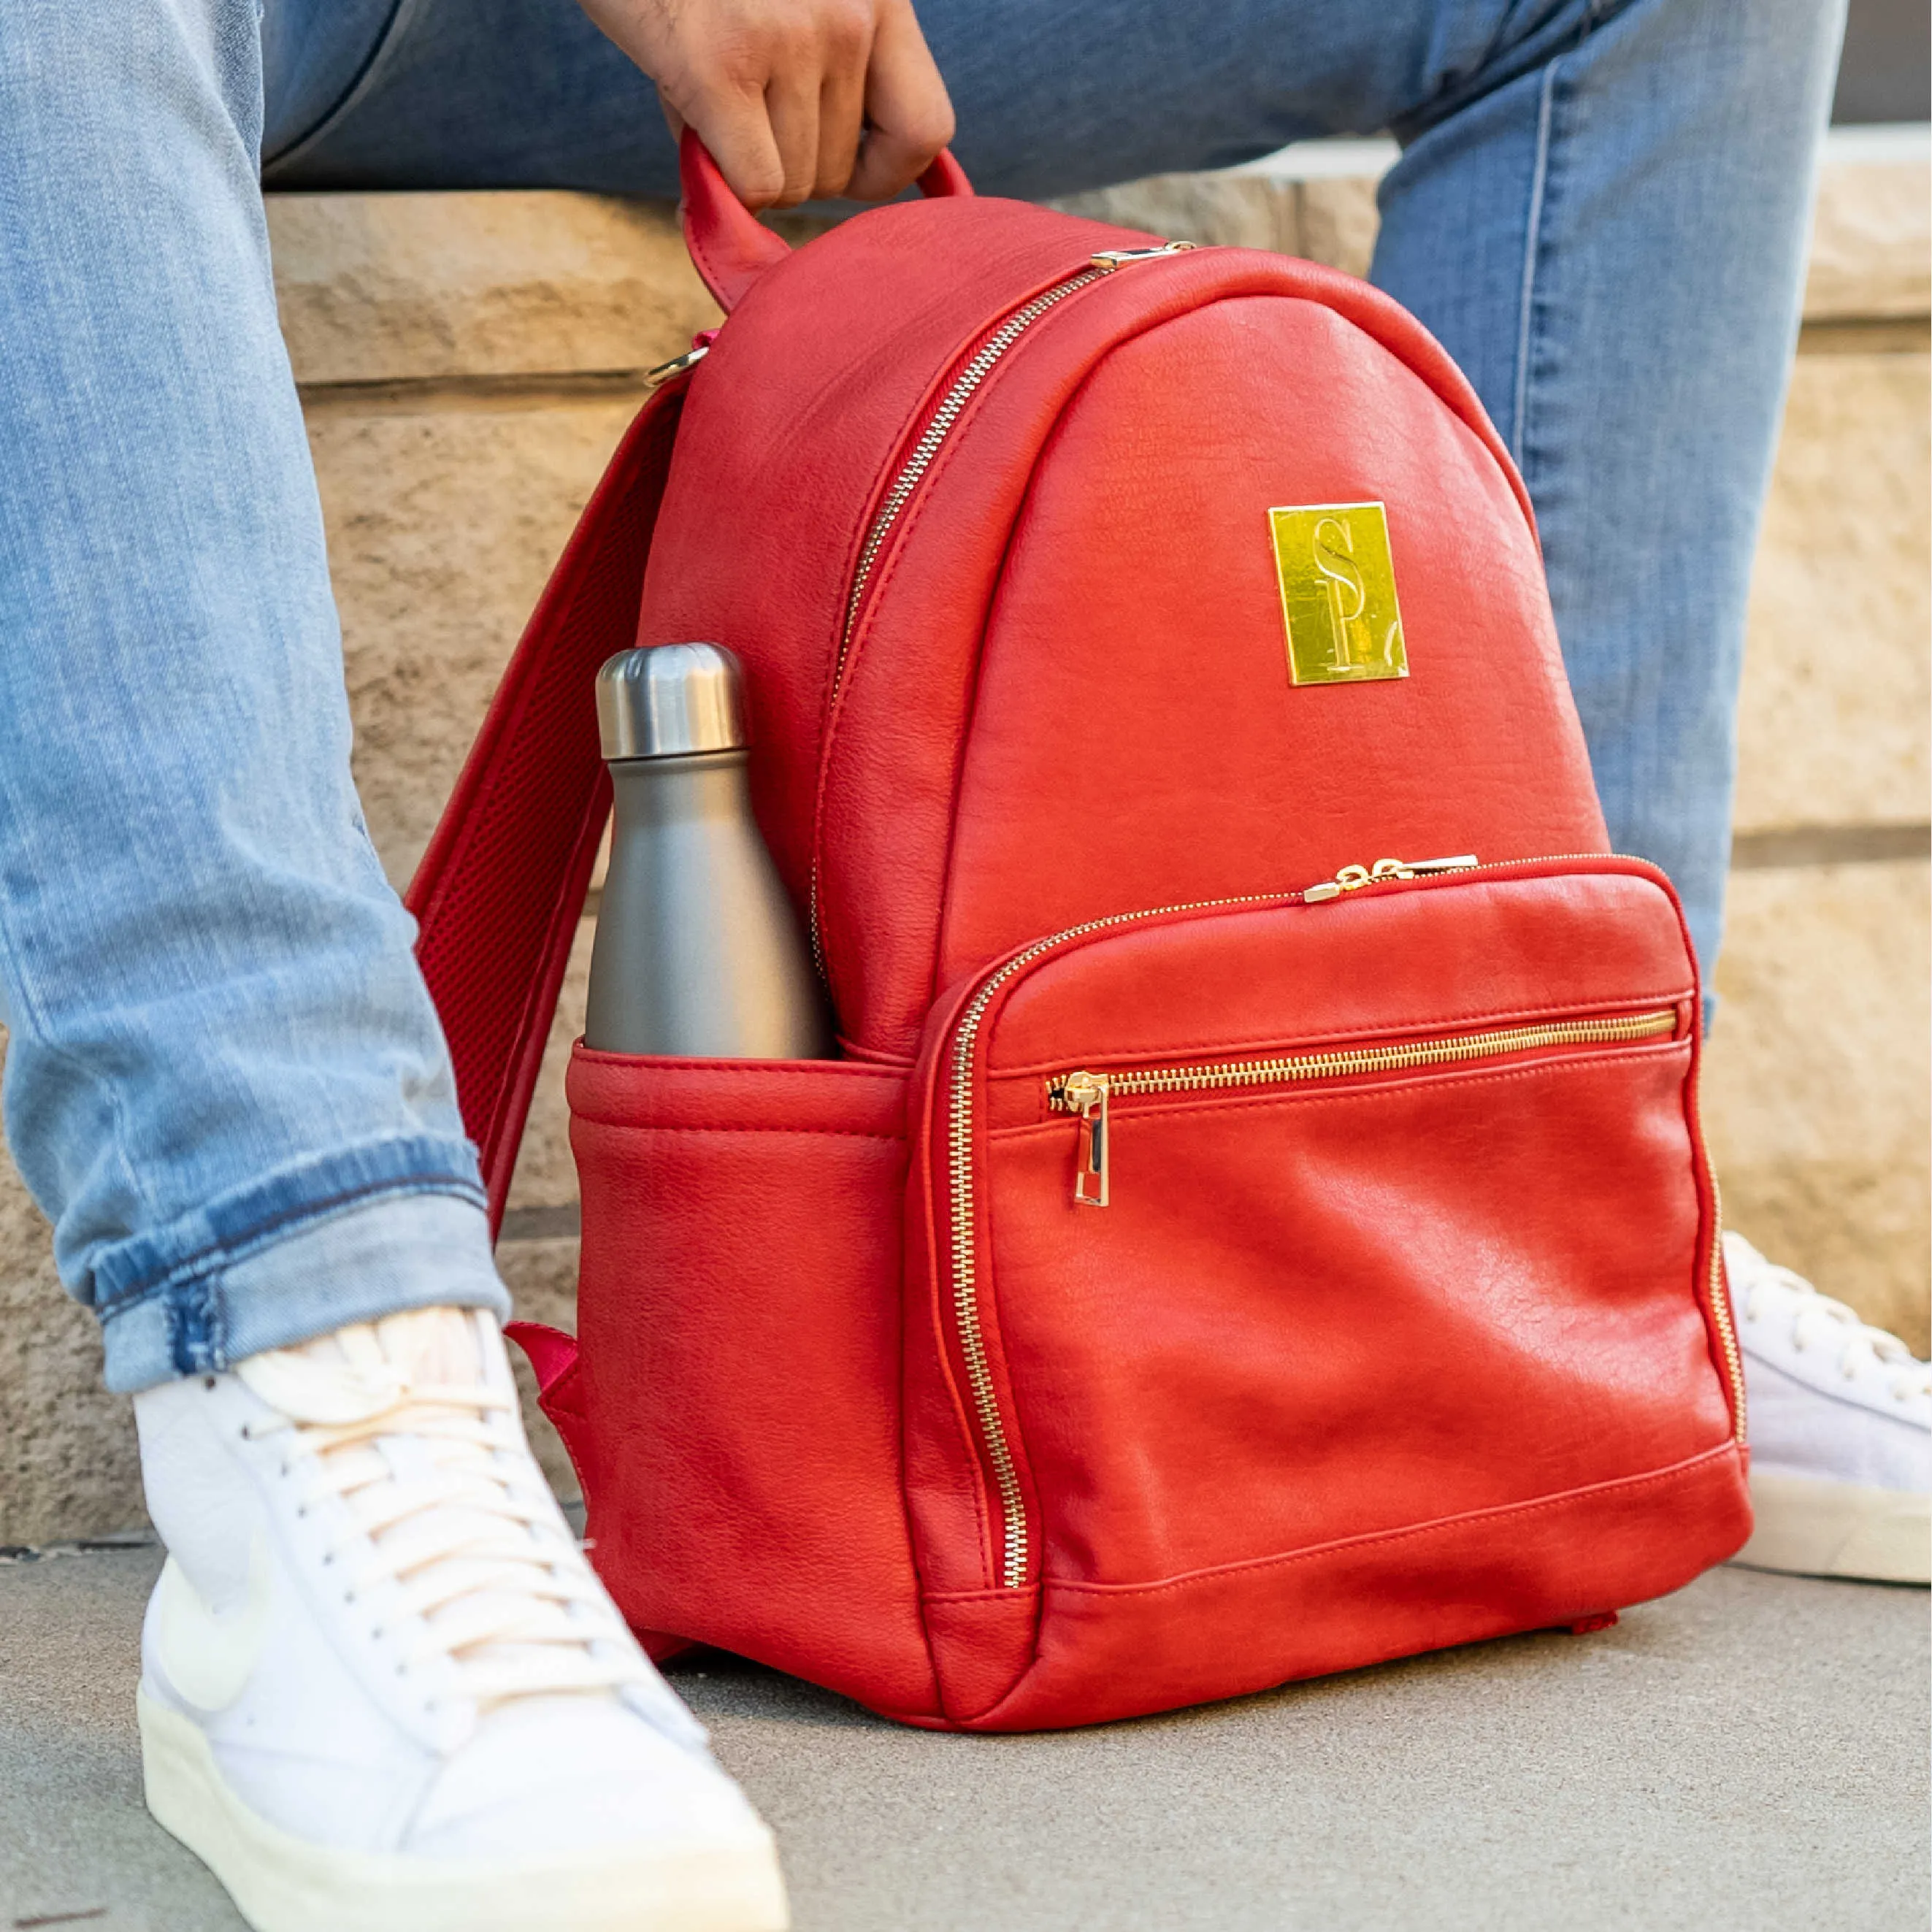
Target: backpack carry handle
(729, 245)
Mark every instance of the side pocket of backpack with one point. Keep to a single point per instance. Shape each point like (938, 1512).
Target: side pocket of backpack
(739, 1316)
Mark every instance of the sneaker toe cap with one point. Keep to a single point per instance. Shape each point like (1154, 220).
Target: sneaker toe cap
(576, 1776)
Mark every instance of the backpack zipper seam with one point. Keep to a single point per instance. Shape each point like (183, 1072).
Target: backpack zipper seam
(980, 363)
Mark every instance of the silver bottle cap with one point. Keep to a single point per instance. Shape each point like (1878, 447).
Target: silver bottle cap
(670, 701)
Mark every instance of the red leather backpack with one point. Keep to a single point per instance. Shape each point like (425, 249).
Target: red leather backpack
(1258, 1225)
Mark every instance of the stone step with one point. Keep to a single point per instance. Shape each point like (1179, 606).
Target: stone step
(1650, 1774)
(467, 361)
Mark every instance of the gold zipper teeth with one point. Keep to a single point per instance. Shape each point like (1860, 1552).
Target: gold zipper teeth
(1388, 1059)
(952, 407)
(1016, 1536)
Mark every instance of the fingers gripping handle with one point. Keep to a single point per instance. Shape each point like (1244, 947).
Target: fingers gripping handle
(729, 247)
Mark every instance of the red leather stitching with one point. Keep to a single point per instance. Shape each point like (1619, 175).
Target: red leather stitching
(1562, 1498)
(1709, 1228)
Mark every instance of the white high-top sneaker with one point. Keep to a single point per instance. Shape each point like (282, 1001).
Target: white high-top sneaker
(1841, 1423)
(381, 1690)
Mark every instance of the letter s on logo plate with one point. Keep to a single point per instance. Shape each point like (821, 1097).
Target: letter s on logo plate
(1338, 593)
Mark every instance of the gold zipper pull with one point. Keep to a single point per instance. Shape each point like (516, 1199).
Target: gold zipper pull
(1117, 258)
(1353, 878)
(1086, 1094)
(1349, 879)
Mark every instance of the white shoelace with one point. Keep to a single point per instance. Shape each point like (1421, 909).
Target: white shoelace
(444, 1500)
(1818, 1322)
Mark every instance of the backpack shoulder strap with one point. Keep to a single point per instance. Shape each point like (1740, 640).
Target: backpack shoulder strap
(501, 888)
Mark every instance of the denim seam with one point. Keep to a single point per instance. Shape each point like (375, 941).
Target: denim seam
(352, 96)
(204, 1265)
(1532, 248)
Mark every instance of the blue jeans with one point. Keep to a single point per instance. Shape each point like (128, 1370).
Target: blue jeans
(226, 1084)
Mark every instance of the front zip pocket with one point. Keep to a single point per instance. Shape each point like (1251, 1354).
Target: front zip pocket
(1514, 1137)
(1088, 1095)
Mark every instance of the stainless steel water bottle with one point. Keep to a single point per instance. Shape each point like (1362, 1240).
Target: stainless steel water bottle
(698, 950)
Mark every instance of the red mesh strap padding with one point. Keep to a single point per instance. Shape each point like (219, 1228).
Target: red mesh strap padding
(500, 891)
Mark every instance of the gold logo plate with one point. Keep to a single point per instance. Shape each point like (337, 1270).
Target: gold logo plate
(1338, 593)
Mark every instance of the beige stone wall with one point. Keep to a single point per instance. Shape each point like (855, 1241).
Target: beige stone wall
(1817, 1087)
(467, 362)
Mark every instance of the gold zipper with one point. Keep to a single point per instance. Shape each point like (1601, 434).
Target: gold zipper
(1016, 1532)
(1088, 1094)
(952, 406)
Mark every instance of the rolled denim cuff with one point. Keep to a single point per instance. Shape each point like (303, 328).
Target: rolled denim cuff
(349, 1238)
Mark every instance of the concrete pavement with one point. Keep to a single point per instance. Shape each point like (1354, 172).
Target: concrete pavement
(1750, 1753)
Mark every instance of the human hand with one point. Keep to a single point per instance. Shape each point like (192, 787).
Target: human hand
(796, 99)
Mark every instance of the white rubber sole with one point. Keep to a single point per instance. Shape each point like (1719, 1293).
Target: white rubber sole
(282, 1883)
(1808, 1527)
